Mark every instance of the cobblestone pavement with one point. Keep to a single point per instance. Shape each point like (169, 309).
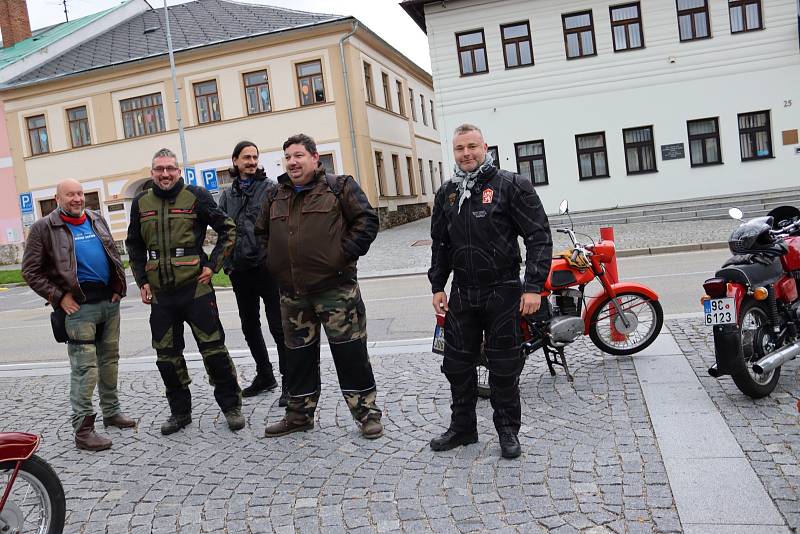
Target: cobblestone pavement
(768, 429)
(590, 462)
(407, 247)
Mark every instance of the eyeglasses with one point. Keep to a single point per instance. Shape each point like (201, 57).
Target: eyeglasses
(169, 169)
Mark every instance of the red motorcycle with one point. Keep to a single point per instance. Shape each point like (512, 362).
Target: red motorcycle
(32, 498)
(752, 302)
(623, 318)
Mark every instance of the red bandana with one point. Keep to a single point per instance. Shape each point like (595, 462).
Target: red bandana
(77, 221)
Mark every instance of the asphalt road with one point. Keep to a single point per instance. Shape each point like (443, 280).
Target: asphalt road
(398, 308)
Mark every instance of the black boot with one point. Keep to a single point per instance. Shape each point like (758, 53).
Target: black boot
(463, 421)
(452, 439)
(509, 445)
(175, 422)
(261, 383)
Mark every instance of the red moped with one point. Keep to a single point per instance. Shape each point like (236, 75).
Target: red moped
(32, 496)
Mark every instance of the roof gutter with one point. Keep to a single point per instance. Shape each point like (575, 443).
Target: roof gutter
(350, 112)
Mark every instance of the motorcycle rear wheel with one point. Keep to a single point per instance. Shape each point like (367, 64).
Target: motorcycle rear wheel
(639, 308)
(36, 503)
(755, 340)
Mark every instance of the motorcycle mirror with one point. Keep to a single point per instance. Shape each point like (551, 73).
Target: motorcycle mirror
(736, 213)
(563, 207)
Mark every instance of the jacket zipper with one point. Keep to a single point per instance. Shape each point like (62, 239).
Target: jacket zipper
(165, 255)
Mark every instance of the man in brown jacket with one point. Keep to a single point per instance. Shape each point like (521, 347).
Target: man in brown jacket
(314, 228)
(71, 260)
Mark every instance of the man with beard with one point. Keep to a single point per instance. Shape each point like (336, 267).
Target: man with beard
(247, 267)
(315, 227)
(478, 216)
(88, 291)
(165, 243)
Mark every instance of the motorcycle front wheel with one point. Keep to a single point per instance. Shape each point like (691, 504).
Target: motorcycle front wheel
(756, 341)
(644, 318)
(36, 502)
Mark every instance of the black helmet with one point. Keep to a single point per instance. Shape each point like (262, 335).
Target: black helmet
(752, 236)
(783, 214)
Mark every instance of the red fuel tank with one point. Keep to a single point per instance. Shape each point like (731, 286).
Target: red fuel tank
(791, 260)
(562, 275)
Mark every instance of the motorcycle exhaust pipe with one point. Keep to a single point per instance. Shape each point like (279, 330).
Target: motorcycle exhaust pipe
(776, 359)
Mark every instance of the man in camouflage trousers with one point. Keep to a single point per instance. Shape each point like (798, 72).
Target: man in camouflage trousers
(167, 229)
(314, 227)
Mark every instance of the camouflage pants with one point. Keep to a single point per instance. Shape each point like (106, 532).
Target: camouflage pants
(196, 305)
(94, 360)
(341, 312)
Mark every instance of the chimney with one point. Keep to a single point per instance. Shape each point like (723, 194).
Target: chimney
(14, 22)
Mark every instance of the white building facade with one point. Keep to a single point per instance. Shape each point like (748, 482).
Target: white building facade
(623, 103)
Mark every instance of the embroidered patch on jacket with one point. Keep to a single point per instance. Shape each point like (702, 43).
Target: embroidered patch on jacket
(182, 211)
(479, 214)
(451, 198)
(488, 195)
(144, 214)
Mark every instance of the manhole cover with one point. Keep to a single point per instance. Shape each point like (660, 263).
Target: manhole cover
(422, 243)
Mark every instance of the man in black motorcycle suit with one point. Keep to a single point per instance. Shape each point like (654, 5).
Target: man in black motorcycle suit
(478, 216)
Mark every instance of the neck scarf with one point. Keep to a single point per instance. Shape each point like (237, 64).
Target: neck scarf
(67, 218)
(466, 180)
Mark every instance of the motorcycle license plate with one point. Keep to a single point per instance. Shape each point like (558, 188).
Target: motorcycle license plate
(438, 340)
(720, 311)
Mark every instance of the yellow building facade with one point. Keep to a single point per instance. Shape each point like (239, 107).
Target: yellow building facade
(101, 125)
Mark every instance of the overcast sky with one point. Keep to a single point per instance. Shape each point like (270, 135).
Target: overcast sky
(384, 17)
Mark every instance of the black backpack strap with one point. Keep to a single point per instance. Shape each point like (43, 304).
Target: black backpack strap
(334, 184)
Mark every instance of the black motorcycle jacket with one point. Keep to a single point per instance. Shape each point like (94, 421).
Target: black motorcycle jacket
(243, 205)
(479, 245)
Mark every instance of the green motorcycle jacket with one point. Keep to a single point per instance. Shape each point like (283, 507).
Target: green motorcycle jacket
(166, 234)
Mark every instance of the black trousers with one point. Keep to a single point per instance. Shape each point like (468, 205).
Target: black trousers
(488, 316)
(251, 286)
(196, 305)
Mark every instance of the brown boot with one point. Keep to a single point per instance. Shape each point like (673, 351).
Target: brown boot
(372, 428)
(292, 422)
(119, 420)
(87, 439)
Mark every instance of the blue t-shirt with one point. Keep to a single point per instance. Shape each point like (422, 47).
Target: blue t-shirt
(90, 253)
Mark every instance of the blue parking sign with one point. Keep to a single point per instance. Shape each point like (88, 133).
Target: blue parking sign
(210, 179)
(190, 175)
(26, 202)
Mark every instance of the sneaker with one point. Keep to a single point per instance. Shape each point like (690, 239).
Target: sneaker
(286, 426)
(175, 422)
(452, 439)
(235, 419)
(259, 385)
(509, 445)
(372, 429)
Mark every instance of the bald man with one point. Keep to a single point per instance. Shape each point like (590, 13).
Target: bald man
(71, 260)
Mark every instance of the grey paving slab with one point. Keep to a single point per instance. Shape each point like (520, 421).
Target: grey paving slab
(768, 429)
(669, 399)
(696, 435)
(734, 529)
(663, 345)
(720, 491)
(664, 369)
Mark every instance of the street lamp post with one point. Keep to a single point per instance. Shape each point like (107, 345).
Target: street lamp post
(184, 154)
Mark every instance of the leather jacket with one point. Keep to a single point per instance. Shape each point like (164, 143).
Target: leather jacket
(243, 206)
(49, 264)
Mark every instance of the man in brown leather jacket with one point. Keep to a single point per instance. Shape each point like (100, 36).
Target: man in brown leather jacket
(71, 260)
(314, 228)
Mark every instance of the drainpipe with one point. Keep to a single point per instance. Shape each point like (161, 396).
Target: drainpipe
(350, 115)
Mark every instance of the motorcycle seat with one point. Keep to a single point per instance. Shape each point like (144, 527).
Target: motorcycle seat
(752, 275)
